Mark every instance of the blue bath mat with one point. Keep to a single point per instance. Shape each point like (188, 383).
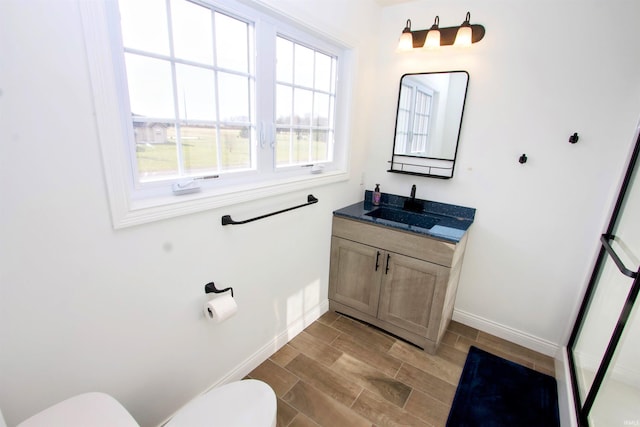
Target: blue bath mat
(495, 392)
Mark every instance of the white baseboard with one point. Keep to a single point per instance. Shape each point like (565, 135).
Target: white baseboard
(566, 405)
(293, 329)
(262, 354)
(505, 332)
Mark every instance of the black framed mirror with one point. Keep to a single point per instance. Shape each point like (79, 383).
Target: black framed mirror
(428, 122)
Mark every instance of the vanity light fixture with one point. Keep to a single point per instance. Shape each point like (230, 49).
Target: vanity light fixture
(463, 35)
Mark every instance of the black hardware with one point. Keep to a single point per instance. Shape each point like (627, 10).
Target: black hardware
(523, 159)
(226, 219)
(387, 269)
(211, 288)
(574, 138)
(605, 238)
(377, 258)
(429, 170)
(411, 204)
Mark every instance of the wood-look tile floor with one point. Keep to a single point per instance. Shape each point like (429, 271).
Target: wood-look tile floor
(339, 372)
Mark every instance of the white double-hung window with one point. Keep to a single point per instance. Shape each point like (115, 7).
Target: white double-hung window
(191, 86)
(205, 103)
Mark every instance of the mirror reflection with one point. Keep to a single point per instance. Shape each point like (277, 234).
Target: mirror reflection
(428, 120)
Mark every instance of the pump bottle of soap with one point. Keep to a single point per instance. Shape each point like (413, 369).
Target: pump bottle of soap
(376, 195)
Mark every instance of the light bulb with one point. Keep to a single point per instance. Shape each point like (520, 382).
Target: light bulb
(433, 36)
(433, 40)
(406, 42)
(463, 37)
(406, 39)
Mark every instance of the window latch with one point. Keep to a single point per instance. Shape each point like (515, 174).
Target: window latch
(267, 135)
(190, 186)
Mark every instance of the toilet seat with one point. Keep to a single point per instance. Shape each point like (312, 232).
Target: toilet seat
(247, 403)
(88, 409)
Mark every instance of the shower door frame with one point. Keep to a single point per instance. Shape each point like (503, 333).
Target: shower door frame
(583, 409)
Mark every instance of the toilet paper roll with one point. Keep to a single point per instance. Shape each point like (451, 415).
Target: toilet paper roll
(220, 308)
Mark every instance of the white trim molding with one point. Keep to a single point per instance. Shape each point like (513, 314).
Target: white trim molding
(262, 354)
(566, 405)
(505, 332)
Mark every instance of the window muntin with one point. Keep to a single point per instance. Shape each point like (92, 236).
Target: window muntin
(191, 88)
(404, 118)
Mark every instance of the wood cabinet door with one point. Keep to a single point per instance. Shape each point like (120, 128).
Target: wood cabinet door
(411, 291)
(355, 274)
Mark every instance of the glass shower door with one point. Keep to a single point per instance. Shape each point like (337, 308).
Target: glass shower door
(604, 349)
(618, 400)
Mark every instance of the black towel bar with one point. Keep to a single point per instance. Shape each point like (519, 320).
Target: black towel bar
(226, 219)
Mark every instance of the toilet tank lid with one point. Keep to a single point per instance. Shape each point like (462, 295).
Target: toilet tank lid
(89, 409)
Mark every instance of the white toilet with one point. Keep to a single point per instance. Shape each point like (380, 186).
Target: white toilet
(246, 403)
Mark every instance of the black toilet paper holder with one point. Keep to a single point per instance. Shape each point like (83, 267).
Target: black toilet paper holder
(211, 288)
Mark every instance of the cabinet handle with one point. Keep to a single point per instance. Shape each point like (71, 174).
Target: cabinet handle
(377, 258)
(387, 268)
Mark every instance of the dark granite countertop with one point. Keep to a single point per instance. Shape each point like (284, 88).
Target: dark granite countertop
(451, 221)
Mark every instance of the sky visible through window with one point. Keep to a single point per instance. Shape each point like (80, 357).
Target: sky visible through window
(145, 29)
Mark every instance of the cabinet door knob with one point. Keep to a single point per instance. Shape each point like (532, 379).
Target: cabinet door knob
(377, 258)
(387, 268)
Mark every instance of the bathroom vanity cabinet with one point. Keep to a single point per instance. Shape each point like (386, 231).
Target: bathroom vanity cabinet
(400, 281)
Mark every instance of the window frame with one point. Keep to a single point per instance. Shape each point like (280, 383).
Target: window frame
(416, 131)
(294, 86)
(421, 126)
(132, 204)
(178, 63)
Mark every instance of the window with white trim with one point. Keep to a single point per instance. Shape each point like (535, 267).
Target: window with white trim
(191, 88)
(214, 96)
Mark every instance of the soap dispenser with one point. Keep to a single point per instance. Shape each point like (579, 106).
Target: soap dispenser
(376, 195)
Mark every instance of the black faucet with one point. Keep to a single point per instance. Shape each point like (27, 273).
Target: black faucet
(411, 204)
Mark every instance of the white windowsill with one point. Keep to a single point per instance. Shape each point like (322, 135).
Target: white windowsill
(127, 213)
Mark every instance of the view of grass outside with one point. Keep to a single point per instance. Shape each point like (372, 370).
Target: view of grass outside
(200, 153)
(292, 148)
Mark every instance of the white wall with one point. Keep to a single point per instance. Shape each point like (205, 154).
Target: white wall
(542, 72)
(84, 307)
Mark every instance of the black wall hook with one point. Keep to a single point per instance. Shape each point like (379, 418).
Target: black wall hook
(523, 159)
(211, 288)
(574, 138)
